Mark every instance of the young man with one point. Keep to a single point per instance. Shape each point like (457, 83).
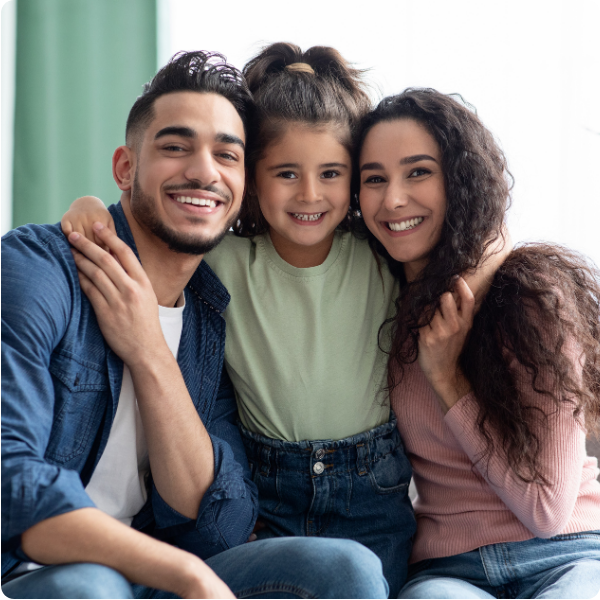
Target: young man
(121, 461)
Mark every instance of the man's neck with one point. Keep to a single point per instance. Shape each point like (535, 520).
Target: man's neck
(168, 271)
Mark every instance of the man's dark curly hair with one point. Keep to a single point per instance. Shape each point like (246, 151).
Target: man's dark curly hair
(543, 307)
(198, 71)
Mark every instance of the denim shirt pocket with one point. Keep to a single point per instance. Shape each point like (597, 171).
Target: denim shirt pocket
(80, 392)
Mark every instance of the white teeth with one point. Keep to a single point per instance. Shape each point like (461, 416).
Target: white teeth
(196, 201)
(302, 217)
(404, 225)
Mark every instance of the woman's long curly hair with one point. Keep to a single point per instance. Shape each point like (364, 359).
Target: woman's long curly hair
(325, 91)
(543, 307)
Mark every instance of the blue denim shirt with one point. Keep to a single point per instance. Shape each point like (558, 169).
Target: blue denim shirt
(60, 388)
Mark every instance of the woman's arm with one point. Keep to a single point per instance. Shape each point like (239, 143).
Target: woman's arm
(82, 214)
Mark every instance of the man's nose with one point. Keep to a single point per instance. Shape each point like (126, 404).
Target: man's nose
(203, 168)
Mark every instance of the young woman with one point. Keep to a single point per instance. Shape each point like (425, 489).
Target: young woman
(307, 300)
(493, 405)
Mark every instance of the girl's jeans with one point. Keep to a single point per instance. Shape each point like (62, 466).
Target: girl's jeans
(565, 566)
(354, 488)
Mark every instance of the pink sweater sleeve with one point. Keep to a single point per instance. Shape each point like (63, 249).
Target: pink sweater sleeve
(544, 508)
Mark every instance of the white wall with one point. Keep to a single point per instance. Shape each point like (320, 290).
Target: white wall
(531, 68)
(7, 59)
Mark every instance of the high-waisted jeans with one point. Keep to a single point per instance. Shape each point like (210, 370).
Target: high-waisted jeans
(354, 488)
(565, 566)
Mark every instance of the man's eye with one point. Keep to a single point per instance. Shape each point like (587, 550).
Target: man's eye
(287, 175)
(330, 174)
(228, 156)
(173, 148)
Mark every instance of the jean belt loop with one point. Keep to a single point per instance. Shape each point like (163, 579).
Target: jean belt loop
(265, 460)
(362, 453)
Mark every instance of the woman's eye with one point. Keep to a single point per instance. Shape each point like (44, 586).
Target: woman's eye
(374, 179)
(329, 174)
(418, 172)
(287, 175)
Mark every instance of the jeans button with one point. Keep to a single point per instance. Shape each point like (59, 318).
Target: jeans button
(318, 468)
(319, 454)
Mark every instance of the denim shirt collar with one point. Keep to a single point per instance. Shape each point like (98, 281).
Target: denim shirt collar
(204, 283)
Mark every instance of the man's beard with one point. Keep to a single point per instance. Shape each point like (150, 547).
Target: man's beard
(143, 208)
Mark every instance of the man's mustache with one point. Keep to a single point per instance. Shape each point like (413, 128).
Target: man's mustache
(194, 185)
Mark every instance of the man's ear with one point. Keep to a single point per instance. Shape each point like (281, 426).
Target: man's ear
(123, 167)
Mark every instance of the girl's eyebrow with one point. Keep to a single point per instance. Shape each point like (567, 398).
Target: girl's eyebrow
(297, 166)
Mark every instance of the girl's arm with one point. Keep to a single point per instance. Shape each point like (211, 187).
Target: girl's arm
(82, 214)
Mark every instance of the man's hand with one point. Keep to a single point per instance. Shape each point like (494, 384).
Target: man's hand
(122, 296)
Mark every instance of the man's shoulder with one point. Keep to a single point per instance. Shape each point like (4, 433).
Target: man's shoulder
(33, 234)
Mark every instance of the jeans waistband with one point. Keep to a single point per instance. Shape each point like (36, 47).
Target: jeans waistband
(337, 455)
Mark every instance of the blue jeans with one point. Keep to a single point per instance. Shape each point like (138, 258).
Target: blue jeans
(565, 566)
(278, 568)
(355, 488)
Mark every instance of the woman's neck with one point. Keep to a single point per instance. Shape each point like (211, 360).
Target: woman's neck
(301, 257)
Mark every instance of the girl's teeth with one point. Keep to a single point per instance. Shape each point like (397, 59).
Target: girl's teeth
(314, 217)
(404, 225)
(196, 201)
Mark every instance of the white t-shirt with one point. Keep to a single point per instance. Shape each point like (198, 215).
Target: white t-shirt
(117, 486)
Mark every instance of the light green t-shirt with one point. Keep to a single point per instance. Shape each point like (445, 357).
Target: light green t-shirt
(301, 346)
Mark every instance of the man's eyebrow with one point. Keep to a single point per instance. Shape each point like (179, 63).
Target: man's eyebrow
(185, 132)
(228, 138)
(372, 166)
(409, 160)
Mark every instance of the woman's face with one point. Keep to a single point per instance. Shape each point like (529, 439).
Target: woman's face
(402, 196)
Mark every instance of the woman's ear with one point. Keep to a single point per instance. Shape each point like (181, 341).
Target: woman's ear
(123, 167)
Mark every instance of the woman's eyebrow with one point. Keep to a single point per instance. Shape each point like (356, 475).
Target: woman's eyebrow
(409, 160)
(372, 166)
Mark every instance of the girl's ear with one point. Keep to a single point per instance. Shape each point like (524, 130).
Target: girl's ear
(123, 167)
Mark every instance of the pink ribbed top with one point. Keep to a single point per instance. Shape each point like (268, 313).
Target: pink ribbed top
(460, 508)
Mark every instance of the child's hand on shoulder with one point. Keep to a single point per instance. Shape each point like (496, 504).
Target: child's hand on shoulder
(82, 214)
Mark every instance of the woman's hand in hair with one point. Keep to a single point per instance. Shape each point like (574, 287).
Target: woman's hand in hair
(441, 343)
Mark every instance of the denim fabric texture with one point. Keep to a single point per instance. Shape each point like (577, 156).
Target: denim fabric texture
(564, 566)
(60, 389)
(355, 488)
(276, 568)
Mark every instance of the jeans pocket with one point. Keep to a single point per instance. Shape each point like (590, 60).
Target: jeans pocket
(391, 472)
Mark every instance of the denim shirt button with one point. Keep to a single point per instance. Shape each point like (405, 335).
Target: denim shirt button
(318, 468)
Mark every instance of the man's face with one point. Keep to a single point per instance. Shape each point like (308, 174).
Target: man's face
(189, 176)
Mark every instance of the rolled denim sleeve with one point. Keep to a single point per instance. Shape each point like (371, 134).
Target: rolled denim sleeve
(37, 284)
(229, 508)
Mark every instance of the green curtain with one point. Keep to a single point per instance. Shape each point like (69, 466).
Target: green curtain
(80, 66)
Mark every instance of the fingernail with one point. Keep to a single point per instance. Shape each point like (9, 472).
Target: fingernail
(74, 236)
(98, 226)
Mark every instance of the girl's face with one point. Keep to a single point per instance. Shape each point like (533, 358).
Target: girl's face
(402, 196)
(303, 188)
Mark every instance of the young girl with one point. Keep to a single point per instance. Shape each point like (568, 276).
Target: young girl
(308, 299)
(493, 408)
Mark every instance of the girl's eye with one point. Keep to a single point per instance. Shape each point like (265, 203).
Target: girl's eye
(287, 175)
(419, 171)
(329, 174)
(374, 179)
